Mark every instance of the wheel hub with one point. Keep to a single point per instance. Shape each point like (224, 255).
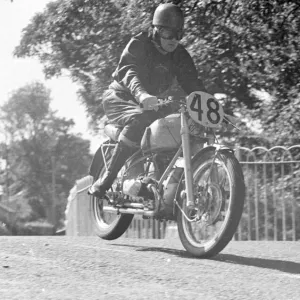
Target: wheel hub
(210, 203)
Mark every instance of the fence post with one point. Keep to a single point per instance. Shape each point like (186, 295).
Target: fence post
(265, 200)
(238, 156)
(139, 229)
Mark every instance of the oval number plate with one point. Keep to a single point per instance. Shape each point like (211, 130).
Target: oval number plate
(205, 109)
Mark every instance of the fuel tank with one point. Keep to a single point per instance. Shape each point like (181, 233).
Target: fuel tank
(163, 134)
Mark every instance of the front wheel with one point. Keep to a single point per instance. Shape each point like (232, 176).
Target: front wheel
(219, 193)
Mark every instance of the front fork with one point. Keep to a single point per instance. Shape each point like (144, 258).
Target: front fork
(188, 174)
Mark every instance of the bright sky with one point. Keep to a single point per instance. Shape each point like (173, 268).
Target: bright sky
(15, 72)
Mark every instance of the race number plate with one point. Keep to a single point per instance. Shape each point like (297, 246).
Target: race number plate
(205, 109)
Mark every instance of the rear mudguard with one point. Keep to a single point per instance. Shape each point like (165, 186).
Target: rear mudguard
(200, 153)
(98, 161)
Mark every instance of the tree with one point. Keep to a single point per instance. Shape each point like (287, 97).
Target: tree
(41, 146)
(239, 46)
(82, 37)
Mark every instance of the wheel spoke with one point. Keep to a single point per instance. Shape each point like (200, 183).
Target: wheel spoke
(213, 186)
(219, 200)
(138, 166)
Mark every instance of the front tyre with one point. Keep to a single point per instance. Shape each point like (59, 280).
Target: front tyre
(219, 193)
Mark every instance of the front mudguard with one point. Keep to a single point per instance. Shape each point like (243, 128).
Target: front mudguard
(200, 153)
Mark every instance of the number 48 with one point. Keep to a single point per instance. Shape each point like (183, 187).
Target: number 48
(207, 110)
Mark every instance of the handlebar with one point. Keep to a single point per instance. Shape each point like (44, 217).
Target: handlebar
(228, 119)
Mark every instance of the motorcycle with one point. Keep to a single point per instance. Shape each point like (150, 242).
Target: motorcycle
(180, 173)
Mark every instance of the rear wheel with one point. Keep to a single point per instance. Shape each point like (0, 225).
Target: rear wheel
(219, 193)
(108, 226)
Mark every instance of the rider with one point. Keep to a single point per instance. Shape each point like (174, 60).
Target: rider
(148, 68)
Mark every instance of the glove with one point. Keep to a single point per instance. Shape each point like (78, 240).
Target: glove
(148, 102)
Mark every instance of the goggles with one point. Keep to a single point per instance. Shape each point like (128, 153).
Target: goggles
(169, 33)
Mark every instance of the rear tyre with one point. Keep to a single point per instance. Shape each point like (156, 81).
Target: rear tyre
(220, 202)
(108, 226)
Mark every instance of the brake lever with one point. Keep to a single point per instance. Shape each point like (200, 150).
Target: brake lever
(228, 121)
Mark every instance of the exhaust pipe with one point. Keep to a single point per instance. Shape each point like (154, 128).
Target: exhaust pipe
(133, 211)
(135, 208)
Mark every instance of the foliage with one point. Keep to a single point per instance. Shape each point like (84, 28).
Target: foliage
(81, 37)
(40, 152)
(243, 46)
(238, 45)
(4, 230)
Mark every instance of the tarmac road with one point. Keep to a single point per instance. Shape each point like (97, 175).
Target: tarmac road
(89, 268)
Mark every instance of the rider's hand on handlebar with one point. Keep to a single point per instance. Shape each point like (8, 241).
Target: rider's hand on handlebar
(148, 102)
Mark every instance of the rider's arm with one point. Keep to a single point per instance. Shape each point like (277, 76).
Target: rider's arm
(131, 67)
(186, 72)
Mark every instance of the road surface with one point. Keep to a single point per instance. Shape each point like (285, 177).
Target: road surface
(89, 268)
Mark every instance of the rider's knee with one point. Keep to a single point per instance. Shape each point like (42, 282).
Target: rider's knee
(132, 133)
(128, 141)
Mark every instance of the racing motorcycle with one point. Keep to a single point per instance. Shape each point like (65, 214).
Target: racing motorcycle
(181, 173)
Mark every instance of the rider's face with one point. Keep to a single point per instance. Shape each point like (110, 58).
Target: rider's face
(169, 45)
(168, 33)
(169, 38)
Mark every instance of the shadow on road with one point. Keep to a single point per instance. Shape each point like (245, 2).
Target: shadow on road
(274, 264)
(176, 252)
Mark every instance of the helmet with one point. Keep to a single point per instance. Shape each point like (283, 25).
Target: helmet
(168, 15)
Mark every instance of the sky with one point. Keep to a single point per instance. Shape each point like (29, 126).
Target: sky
(16, 72)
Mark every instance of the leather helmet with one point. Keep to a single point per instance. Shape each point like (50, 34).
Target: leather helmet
(168, 15)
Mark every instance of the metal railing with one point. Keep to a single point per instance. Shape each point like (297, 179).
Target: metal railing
(272, 178)
(147, 229)
(272, 205)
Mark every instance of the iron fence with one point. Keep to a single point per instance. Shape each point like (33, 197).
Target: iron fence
(272, 206)
(272, 178)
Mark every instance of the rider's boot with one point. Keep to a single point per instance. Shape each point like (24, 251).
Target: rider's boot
(120, 154)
